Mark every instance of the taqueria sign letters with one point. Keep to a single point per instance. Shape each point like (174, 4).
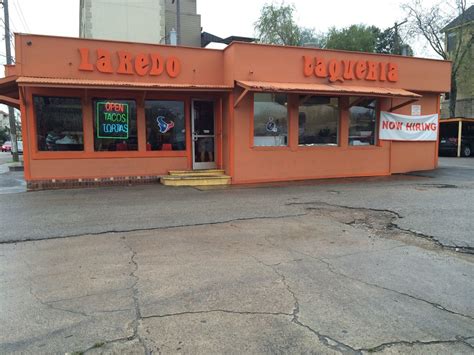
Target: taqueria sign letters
(341, 70)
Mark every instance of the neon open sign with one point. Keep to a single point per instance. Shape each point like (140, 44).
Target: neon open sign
(112, 120)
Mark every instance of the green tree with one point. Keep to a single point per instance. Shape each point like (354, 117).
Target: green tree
(276, 25)
(360, 38)
(4, 135)
(310, 38)
(429, 23)
(389, 41)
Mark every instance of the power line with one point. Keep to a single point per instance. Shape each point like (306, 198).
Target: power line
(21, 15)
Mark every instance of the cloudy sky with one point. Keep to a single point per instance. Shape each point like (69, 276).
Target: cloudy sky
(61, 17)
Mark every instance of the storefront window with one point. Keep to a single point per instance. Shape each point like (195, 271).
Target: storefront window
(318, 120)
(362, 122)
(58, 123)
(270, 119)
(115, 125)
(165, 125)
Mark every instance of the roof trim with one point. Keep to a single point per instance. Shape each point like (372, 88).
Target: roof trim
(117, 85)
(303, 88)
(456, 119)
(9, 91)
(461, 20)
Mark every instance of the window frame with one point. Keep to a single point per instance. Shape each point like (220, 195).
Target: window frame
(252, 122)
(92, 100)
(377, 141)
(185, 118)
(87, 97)
(36, 124)
(339, 125)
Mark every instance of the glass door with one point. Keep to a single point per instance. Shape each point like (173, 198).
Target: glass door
(204, 141)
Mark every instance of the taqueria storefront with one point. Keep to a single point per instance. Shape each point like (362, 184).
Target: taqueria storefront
(105, 112)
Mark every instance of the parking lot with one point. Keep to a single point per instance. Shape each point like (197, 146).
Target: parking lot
(372, 265)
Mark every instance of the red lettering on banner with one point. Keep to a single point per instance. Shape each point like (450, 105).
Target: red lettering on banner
(392, 125)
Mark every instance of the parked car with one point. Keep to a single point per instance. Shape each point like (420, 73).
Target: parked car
(449, 146)
(7, 146)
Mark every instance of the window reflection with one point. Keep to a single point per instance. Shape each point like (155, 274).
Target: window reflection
(362, 122)
(165, 125)
(270, 119)
(59, 123)
(318, 120)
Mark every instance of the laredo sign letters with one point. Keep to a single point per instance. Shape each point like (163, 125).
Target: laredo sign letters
(152, 64)
(397, 127)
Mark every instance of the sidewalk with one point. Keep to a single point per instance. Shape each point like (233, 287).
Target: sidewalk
(10, 181)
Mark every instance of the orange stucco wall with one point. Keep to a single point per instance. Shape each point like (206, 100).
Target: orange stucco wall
(56, 57)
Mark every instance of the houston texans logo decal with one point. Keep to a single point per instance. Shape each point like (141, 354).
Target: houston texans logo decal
(163, 125)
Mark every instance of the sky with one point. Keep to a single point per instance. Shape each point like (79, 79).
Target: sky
(61, 17)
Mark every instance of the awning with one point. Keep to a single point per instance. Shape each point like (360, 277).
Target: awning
(9, 94)
(314, 88)
(109, 84)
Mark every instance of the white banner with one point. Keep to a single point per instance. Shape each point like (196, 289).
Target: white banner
(397, 127)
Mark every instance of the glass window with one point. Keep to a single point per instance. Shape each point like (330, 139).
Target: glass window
(451, 45)
(362, 121)
(58, 123)
(318, 120)
(270, 119)
(165, 125)
(115, 125)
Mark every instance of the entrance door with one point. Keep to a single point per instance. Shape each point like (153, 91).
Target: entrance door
(204, 141)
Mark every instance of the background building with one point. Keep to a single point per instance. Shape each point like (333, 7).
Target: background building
(465, 78)
(147, 21)
(4, 121)
(190, 22)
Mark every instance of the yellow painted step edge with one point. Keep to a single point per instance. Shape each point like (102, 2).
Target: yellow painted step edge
(201, 177)
(196, 172)
(195, 182)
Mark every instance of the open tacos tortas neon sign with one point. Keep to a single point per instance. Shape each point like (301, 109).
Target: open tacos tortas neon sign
(341, 70)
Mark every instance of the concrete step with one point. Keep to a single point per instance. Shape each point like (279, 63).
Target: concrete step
(16, 166)
(204, 180)
(208, 172)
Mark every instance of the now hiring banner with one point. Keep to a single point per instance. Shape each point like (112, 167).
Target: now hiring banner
(397, 127)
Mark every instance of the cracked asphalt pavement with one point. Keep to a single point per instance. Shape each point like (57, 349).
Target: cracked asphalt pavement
(380, 265)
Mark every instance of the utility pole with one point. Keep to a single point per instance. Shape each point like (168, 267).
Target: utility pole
(178, 21)
(11, 113)
(396, 39)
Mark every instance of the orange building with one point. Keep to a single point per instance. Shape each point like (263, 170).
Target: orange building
(101, 112)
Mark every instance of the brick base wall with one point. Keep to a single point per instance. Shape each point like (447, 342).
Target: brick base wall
(54, 184)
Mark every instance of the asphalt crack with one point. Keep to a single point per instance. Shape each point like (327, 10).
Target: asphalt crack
(136, 307)
(378, 348)
(392, 225)
(136, 304)
(133, 230)
(330, 267)
(167, 315)
(324, 339)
